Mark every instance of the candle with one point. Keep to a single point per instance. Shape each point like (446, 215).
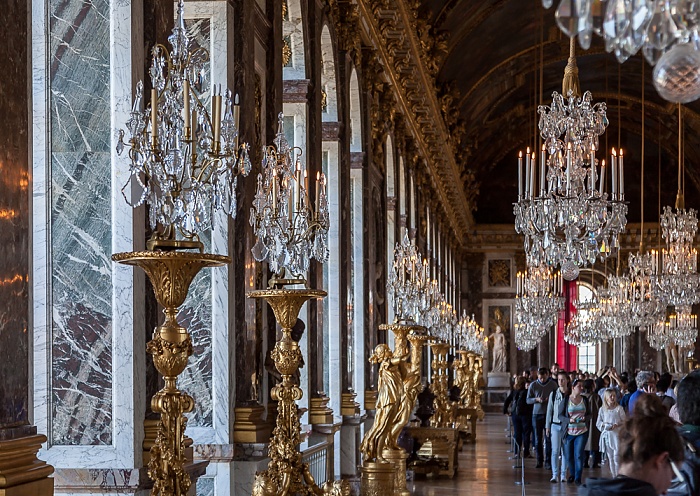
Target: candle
(592, 170)
(543, 170)
(194, 134)
(216, 115)
(520, 175)
(186, 106)
(533, 179)
(622, 176)
(613, 171)
(568, 169)
(318, 191)
(236, 117)
(297, 186)
(306, 183)
(154, 115)
(274, 190)
(527, 173)
(602, 177)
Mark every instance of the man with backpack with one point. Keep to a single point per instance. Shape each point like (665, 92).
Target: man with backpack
(538, 395)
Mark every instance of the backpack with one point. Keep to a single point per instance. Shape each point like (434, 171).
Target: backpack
(520, 403)
(690, 468)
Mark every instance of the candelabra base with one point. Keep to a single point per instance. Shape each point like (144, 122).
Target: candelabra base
(398, 457)
(378, 478)
(348, 406)
(287, 474)
(249, 427)
(371, 399)
(319, 413)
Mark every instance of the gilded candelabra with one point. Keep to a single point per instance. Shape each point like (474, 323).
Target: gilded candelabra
(171, 274)
(444, 410)
(286, 473)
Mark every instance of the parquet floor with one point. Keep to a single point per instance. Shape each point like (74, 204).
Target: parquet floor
(486, 468)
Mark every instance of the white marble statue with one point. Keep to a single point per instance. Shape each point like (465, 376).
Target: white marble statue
(499, 351)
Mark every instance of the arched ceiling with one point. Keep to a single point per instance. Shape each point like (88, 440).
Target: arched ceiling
(495, 49)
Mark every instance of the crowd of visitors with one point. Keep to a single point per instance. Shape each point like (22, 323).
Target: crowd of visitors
(644, 427)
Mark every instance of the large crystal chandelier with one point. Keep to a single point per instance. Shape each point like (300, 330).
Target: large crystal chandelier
(185, 157)
(665, 30)
(678, 278)
(290, 228)
(538, 301)
(408, 282)
(570, 221)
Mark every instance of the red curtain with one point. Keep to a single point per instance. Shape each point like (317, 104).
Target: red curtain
(567, 353)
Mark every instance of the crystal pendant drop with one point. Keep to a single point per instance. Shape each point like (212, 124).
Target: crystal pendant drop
(616, 20)
(569, 270)
(574, 17)
(677, 74)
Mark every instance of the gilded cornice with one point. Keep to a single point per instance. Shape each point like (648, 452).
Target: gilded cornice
(410, 56)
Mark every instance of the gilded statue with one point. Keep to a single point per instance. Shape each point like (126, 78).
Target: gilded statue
(390, 390)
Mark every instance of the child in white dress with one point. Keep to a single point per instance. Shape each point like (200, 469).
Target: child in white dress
(610, 417)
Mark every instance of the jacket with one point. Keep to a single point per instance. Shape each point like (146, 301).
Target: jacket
(620, 485)
(594, 404)
(557, 401)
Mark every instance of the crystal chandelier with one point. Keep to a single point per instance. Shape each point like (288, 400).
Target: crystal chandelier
(408, 282)
(185, 158)
(538, 301)
(585, 325)
(658, 335)
(526, 338)
(683, 327)
(616, 313)
(665, 30)
(645, 308)
(570, 221)
(290, 229)
(470, 335)
(678, 279)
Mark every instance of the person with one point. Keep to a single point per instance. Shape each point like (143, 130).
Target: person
(610, 418)
(646, 384)
(556, 425)
(661, 388)
(688, 406)
(538, 395)
(578, 411)
(499, 351)
(650, 449)
(521, 416)
(554, 369)
(595, 401)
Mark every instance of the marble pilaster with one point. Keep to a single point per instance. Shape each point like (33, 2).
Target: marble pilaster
(85, 306)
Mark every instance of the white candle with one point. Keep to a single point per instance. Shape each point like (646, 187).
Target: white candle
(520, 175)
(568, 169)
(533, 179)
(602, 177)
(613, 171)
(527, 172)
(622, 176)
(543, 171)
(236, 117)
(186, 106)
(154, 115)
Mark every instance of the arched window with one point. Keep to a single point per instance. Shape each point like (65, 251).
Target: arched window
(390, 216)
(356, 295)
(332, 339)
(586, 352)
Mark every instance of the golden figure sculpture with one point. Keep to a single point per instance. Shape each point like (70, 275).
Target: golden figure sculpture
(444, 409)
(390, 392)
(478, 384)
